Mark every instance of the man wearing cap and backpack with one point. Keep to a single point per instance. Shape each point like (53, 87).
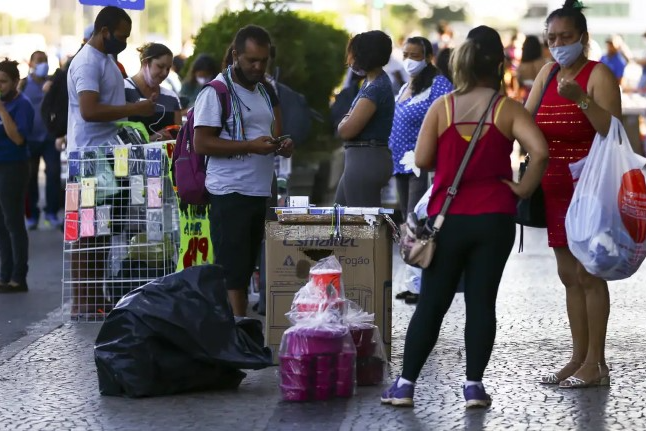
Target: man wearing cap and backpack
(240, 160)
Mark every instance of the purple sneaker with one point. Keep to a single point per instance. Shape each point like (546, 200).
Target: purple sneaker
(402, 397)
(476, 396)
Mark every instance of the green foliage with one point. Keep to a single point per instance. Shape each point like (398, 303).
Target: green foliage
(310, 48)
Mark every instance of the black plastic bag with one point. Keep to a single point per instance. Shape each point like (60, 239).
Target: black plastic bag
(177, 334)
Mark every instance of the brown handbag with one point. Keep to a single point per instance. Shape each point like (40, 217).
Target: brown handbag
(418, 239)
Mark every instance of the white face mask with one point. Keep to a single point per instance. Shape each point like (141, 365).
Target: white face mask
(201, 80)
(566, 55)
(414, 67)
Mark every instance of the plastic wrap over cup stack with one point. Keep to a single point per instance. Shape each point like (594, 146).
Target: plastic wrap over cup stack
(371, 364)
(317, 355)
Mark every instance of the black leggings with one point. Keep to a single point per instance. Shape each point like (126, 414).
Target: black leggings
(478, 246)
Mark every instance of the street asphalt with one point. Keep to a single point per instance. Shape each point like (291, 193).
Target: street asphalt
(48, 379)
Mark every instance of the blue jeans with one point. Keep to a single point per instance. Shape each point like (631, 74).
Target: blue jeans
(14, 242)
(47, 150)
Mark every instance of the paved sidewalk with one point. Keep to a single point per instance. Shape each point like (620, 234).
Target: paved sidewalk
(51, 384)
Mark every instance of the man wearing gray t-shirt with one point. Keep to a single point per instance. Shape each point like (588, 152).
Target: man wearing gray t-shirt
(241, 161)
(95, 85)
(96, 100)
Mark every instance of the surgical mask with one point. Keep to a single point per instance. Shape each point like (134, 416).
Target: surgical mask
(40, 70)
(357, 71)
(566, 55)
(201, 80)
(414, 67)
(147, 77)
(112, 45)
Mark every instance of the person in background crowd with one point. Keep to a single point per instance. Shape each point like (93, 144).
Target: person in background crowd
(366, 127)
(16, 120)
(203, 70)
(396, 72)
(641, 86)
(479, 230)
(615, 58)
(40, 145)
(156, 62)
(241, 160)
(513, 53)
(444, 37)
(531, 62)
(97, 100)
(173, 81)
(578, 103)
(443, 64)
(425, 85)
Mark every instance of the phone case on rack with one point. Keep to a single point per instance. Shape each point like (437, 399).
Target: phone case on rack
(87, 222)
(104, 220)
(137, 162)
(154, 225)
(72, 196)
(88, 167)
(88, 192)
(121, 161)
(153, 162)
(73, 166)
(137, 191)
(154, 193)
(71, 230)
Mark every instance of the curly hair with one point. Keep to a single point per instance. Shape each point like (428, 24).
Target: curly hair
(10, 67)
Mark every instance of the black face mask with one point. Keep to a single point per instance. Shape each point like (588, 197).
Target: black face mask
(242, 78)
(8, 97)
(112, 45)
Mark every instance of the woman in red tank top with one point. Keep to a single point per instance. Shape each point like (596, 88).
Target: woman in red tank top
(578, 103)
(479, 230)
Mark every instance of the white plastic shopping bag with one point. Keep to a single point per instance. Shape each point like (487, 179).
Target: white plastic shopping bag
(606, 220)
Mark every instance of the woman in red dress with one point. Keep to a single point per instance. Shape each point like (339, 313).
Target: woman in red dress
(578, 104)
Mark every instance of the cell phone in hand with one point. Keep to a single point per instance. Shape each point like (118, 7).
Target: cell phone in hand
(280, 139)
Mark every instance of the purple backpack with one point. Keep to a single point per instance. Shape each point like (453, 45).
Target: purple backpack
(188, 167)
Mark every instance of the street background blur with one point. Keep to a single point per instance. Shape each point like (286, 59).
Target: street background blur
(56, 26)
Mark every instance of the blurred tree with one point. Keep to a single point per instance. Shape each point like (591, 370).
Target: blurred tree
(401, 20)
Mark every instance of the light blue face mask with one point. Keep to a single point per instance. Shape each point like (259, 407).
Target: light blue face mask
(41, 70)
(566, 55)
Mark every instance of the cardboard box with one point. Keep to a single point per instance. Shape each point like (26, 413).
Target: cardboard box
(364, 251)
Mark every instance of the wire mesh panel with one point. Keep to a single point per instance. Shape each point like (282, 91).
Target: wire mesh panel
(121, 226)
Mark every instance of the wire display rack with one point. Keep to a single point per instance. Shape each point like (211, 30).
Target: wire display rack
(121, 226)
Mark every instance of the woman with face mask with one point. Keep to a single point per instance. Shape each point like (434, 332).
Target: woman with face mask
(578, 103)
(156, 62)
(16, 121)
(366, 127)
(415, 97)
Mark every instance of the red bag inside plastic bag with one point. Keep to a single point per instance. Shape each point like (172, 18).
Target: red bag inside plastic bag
(372, 365)
(326, 274)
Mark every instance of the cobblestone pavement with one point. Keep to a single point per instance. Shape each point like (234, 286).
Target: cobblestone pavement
(51, 384)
